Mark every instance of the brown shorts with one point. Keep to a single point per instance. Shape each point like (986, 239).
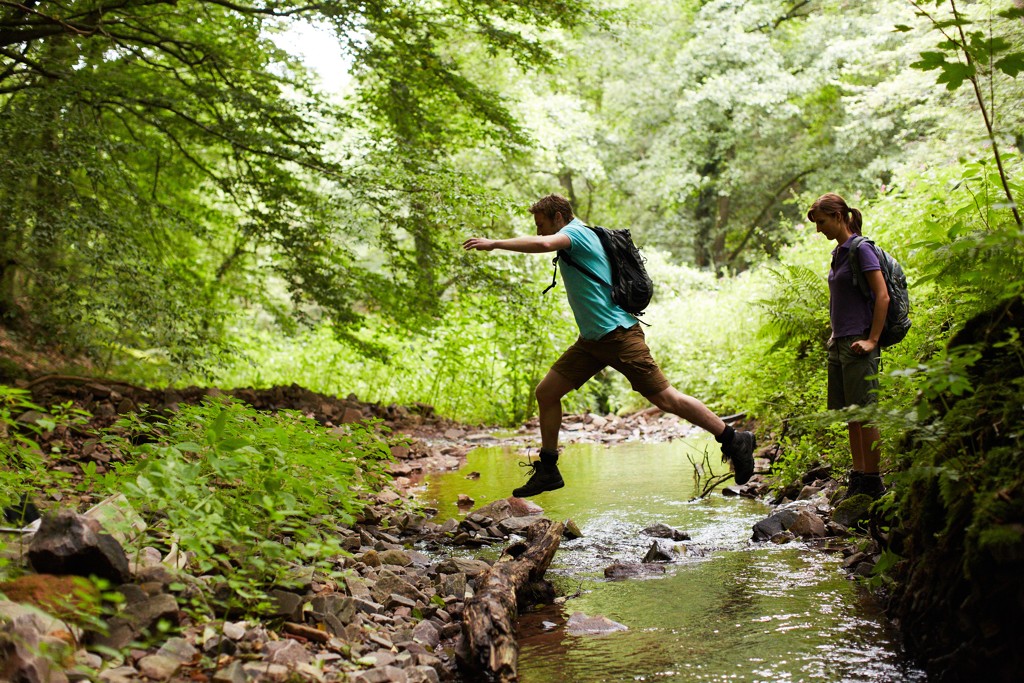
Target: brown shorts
(625, 350)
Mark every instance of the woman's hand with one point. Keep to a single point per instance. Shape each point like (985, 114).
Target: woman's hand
(863, 347)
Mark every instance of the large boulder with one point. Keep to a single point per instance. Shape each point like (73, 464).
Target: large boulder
(69, 543)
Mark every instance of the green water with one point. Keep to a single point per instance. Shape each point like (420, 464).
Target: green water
(729, 610)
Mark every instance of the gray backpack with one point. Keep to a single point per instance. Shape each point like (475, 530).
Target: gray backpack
(897, 320)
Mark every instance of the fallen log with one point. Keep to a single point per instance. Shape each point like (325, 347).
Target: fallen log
(489, 649)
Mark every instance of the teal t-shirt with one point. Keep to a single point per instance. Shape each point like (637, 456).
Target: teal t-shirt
(592, 306)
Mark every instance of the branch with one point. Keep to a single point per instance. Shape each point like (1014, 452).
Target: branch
(764, 211)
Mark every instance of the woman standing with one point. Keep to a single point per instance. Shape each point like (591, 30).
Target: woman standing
(857, 322)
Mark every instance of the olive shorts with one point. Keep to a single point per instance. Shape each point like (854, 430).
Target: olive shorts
(848, 374)
(625, 350)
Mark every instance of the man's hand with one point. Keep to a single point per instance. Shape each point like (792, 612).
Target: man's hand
(478, 243)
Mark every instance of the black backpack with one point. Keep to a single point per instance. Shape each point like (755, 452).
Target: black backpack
(897, 320)
(631, 286)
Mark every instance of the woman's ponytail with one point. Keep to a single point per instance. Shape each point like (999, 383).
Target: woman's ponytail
(856, 221)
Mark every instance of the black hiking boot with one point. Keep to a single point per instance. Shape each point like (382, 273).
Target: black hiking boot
(545, 478)
(855, 485)
(871, 484)
(740, 454)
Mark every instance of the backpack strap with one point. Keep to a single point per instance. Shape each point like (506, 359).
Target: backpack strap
(859, 281)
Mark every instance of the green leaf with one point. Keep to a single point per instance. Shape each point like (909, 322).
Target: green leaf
(901, 28)
(1012, 64)
(954, 74)
(929, 61)
(1012, 13)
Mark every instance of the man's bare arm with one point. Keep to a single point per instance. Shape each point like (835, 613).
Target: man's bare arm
(531, 244)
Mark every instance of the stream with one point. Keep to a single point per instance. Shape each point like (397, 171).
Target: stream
(726, 610)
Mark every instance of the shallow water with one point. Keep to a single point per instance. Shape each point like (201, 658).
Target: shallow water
(726, 610)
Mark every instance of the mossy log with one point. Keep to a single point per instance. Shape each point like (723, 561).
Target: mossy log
(489, 649)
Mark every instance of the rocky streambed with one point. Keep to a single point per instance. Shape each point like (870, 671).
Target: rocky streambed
(390, 611)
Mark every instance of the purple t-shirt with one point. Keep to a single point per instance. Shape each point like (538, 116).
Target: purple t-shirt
(849, 311)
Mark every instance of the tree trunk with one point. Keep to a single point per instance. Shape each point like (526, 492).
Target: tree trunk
(489, 648)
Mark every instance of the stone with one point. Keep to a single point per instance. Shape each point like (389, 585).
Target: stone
(232, 673)
(388, 582)
(117, 516)
(264, 671)
(462, 565)
(286, 604)
(69, 543)
(624, 570)
(20, 654)
(234, 630)
(395, 557)
(571, 530)
(121, 674)
(287, 652)
(581, 624)
(777, 522)
(34, 618)
(341, 607)
(852, 510)
(518, 525)
(371, 558)
(807, 525)
(158, 667)
(808, 492)
(385, 674)
(425, 632)
(453, 584)
(665, 531)
(130, 622)
(464, 501)
(178, 648)
(659, 553)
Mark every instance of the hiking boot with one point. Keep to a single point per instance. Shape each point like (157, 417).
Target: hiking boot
(544, 477)
(740, 454)
(855, 485)
(871, 484)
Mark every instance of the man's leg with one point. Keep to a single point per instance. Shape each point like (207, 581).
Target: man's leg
(737, 447)
(549, 404)
(545, 475)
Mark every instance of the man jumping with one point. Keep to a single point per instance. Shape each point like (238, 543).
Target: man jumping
(608, 336)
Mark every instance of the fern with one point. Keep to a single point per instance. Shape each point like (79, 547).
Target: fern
(797, 310)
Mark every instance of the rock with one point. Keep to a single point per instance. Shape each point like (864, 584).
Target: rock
(121, 674)
(178, 648)
(465, 501)
(624, 570)
(287, 652)
(232, 673)
(571, 530)
(262, 671)
(21, 654)
(518, 525)
(426, 633)
(462, 565)
(340, 607)
(453, 584)
(371, 558)
(234, 630)
(34, 618)
(665, 531)
(659, 553)
(808, 492)
(395, 557)
(388, 582)
(158, 667)
(287, 604)
(68, 543)
(580, 624)
(385, 674)
(852, 510)
(422, 674)
(129, 624)
(117, 516)
(807, 525)
(777, 522)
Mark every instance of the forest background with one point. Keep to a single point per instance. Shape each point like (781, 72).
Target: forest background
(182, 201)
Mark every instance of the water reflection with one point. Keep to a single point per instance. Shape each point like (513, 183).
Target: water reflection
(728, 610)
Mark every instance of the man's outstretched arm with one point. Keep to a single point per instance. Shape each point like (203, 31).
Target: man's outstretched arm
(530, 244)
